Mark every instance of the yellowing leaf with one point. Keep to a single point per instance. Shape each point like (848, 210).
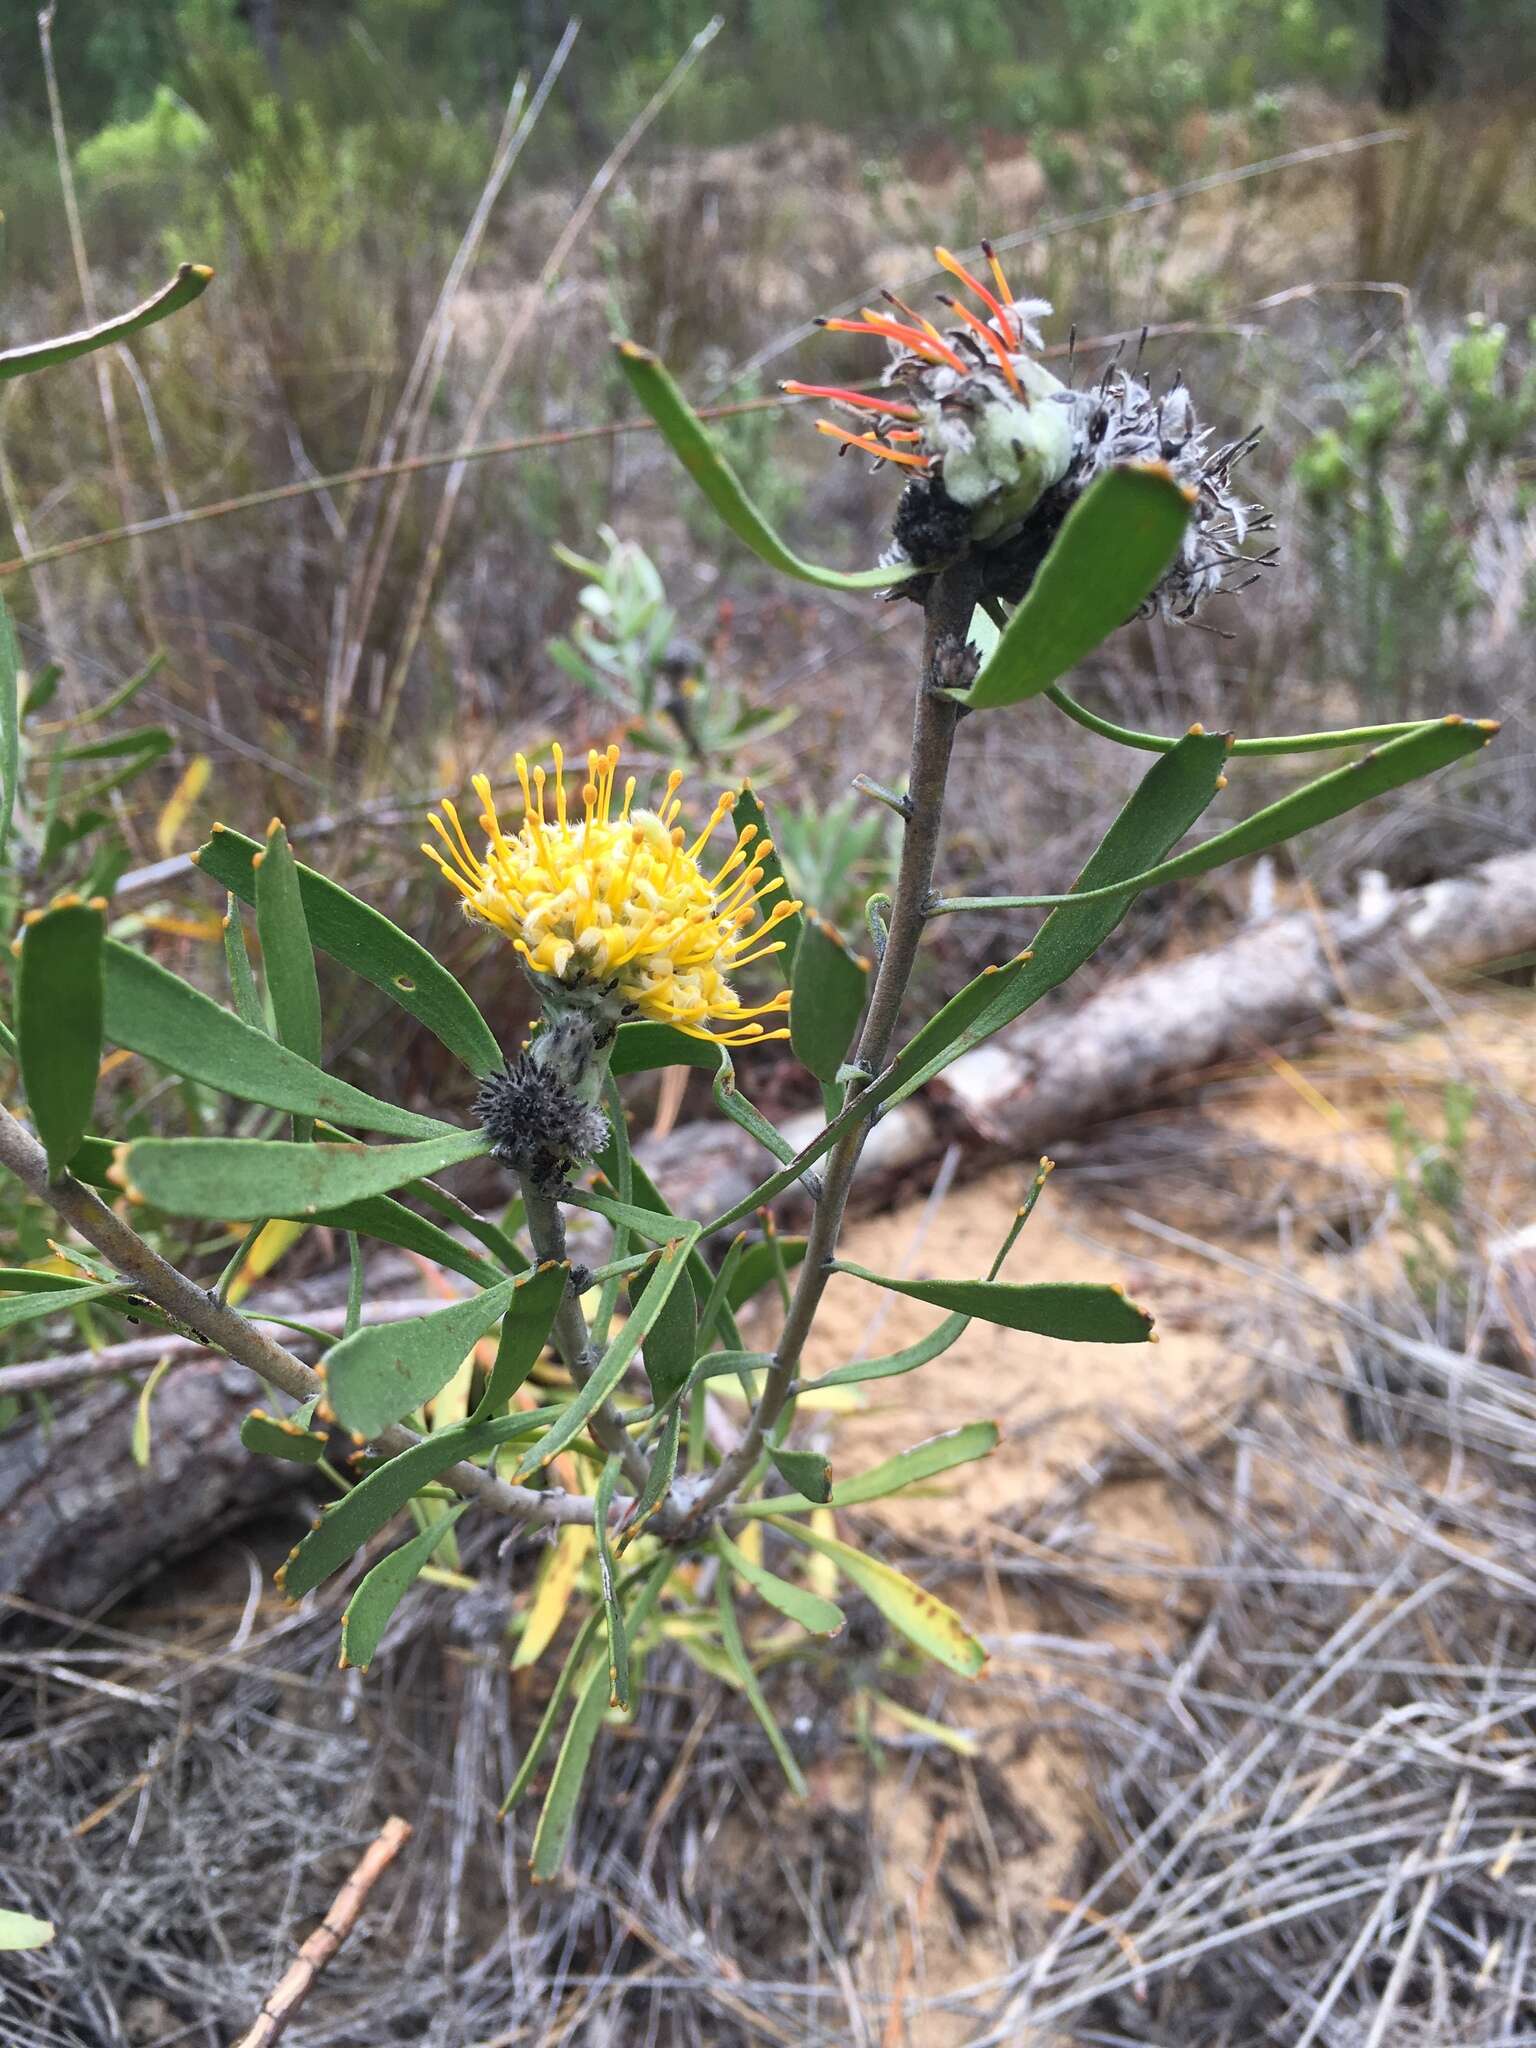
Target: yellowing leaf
(210, 927)
(276, 1237)
(557, 1581)
(452, 1403)
(926, 1622)
(820, 1571)
(194, 780)
(750, 1542)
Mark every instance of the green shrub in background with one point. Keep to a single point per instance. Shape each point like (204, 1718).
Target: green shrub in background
(1417, 504)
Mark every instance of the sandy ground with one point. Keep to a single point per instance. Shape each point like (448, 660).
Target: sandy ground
(974, 1882)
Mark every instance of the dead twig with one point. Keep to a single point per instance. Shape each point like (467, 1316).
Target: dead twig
(333, 1930)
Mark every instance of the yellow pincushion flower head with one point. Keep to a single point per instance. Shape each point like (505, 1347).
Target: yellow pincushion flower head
(615, 910)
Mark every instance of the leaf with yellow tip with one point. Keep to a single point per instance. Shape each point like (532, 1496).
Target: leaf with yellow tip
(926, 1622)
(189, 283)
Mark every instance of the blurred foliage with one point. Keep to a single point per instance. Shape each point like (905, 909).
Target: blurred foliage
(1419, 499)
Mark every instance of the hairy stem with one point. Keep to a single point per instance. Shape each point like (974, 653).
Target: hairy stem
(950, 604)
(546, 1231)
(226, 1330)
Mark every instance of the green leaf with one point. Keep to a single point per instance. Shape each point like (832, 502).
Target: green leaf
(748, 810)
(658, 1480)
(20, 1930)
(1167, 801)
(806, 1473)
(559, 1810)
(820, 1617)
(736, 1651)
(1387, 767)
(237, 961)
(924, 1461)
(893, 1363)
(287, 957)
(381, 1590)
(614, 1362)
(382, 1217)
(524, 1332)
(685, 434)
(673, 1343)
(1113, 548)
(27, 1308)
(1077, 1312)
(759, 1265)
(919, 1615)
(387, 1369)
(154, 740)
(364, 940)
(613, 1613)
(189, 283)
(348, 1523)
(827, 999)
(139, 1442)
(151, 1011)
(237, 1179)
(58, 1021)
(280, 1436)
(638, 1048)
(10, 727)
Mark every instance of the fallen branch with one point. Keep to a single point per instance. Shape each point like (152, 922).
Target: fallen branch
(333, 1930)
(1055, 1074)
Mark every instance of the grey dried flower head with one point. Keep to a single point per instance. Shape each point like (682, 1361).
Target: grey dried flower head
(536, 1121)
(998, 449)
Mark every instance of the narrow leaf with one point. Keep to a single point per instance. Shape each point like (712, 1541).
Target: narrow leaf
(827, 999)
(919, 1615)
(348, 1523)
(239, 1179)
(364, 940)
(58, 1021)
(820, 1617)
(1078, 1312)
(736, 1651)
(559, 1810)
(1387, 767)
(281, 1436)
(525, 1331)
(237, 961)
(139, 1442)
(29, 1307)
(1114, 546)
(658, 1481)
(189, 283)
(287, 957)
(382, 1217)
(685, 434)
(152, 1011)
(759, 1265)
(673, 1342)
(614, 1362)
(381, 1590)
(613, 1613)
(907, 1468)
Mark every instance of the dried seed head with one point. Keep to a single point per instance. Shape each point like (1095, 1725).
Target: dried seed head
(997, 449)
